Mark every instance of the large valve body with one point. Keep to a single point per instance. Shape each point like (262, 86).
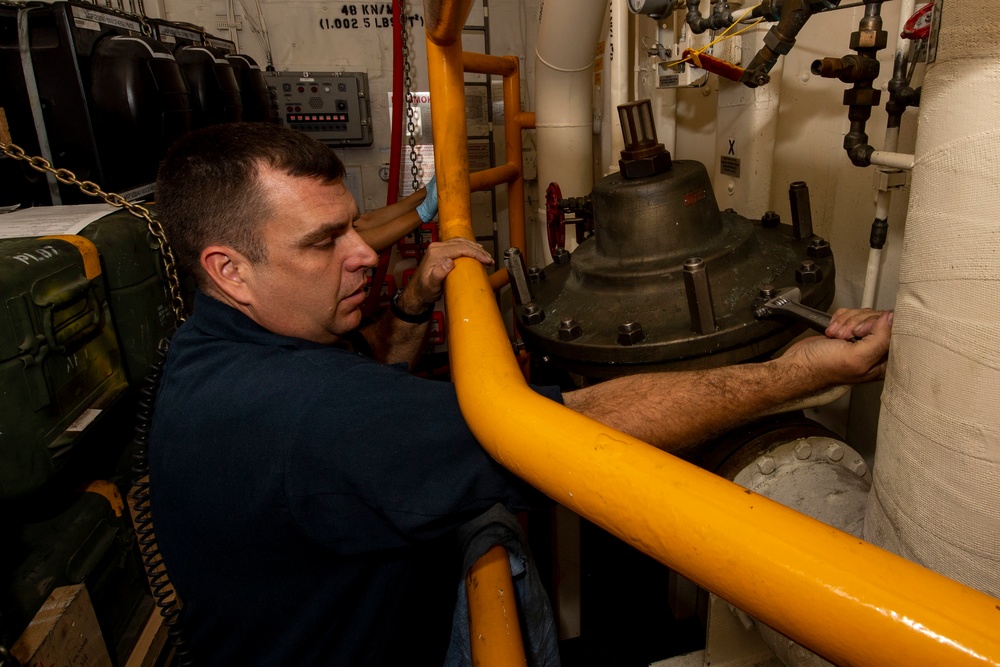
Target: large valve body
(619, 303)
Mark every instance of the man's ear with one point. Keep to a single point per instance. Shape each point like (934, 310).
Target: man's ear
(228, 270)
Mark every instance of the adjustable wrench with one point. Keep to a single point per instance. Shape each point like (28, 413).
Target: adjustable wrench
(787, 302)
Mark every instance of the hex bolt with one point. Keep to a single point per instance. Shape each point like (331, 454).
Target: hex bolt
(798, 196)
(768, 292)
(765, 465)
(630, 333)
(536, 275)
(859, 467)
(835, 452)
(561, 256)
(803, 450)
(569, 329)
(770, 219)
(808, 272)
(699, 296)
(818, 248)
(533, 314)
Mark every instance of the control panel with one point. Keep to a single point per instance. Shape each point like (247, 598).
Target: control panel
(331, 107)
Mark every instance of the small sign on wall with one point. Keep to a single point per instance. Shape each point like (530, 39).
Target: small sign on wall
(729, 163)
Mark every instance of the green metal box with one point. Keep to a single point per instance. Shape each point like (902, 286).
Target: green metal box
(60, 364)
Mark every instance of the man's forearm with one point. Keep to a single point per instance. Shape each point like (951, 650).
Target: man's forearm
(393, 340)
(673, 411)
(677, 410)
(387, 225)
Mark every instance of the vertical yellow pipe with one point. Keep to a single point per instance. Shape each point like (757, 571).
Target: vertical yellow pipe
(494, 626)
(445, 20)
(447, 88)
(851, 602)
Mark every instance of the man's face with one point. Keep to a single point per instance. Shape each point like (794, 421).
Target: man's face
(312, 284)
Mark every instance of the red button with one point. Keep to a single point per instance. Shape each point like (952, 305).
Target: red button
(301, 89)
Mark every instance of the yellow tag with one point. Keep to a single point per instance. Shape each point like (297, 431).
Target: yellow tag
(4, 128)
(109, 491)
(91, 258)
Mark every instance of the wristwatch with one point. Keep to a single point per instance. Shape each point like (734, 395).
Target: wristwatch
(401, 314)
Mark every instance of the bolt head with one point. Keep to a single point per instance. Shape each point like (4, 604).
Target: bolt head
(630, 333)
(767, 291)
(561, 256)
(803, 450)
(532, 314)
(818, 248)
(569, 329)
(536, 275)
(859, 467)
(835, 452)
(770, 219)
(765, 465)
(809, 272)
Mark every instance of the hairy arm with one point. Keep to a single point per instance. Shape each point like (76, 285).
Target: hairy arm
(677, 410)
(392, 340)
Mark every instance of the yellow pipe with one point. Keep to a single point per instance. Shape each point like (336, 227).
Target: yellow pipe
(445, 20)
(488, 178)
(494, 626)
(514, 121)
(850, 601)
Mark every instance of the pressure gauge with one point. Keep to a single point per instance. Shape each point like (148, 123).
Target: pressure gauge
(654, 8)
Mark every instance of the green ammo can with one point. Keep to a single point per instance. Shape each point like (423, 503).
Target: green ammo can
(60, 365)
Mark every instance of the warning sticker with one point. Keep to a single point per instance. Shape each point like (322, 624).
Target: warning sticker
(729, 166)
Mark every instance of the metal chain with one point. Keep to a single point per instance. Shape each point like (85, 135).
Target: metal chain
(91, 189)
(407, 87)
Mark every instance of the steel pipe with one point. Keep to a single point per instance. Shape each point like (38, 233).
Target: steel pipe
(494, 625)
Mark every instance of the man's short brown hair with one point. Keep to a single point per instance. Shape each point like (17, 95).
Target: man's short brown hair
(208, 192)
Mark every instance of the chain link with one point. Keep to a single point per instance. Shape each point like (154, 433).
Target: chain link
(90, 188)
(411, 126)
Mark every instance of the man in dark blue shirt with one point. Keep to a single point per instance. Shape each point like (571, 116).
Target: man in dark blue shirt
(302, 491)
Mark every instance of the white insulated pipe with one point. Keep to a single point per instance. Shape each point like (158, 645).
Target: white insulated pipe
(564, 117)
(614, 84)
(884, 197)
(936, 492)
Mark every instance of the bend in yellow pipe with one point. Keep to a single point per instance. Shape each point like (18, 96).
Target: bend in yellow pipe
(846, 599)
